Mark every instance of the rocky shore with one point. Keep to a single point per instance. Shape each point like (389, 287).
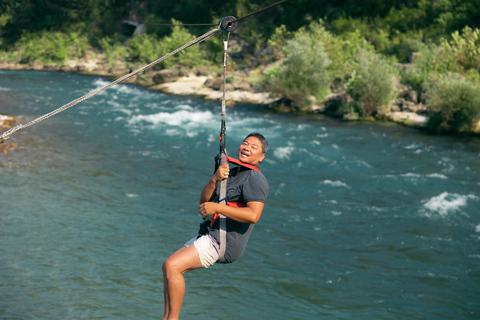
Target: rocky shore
(6, 123)
(241, 88)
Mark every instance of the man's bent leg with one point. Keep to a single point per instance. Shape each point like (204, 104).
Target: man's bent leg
(185, 259)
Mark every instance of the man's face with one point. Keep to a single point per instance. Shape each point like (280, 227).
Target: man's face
(251, 151)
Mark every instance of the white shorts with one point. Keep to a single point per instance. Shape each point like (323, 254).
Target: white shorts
(207, 248)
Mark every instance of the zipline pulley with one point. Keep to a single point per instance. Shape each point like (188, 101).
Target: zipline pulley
(228, 23)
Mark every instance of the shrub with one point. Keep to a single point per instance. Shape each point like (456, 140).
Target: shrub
(304, 71)
(414, 77)
(143, 49)
(179, 37)
(341, 49)
(51, 46)
(371, 85)
(278, 40)
(465, 48)
(113, 50)
(453, 104)
(79, 46)
(459, 55)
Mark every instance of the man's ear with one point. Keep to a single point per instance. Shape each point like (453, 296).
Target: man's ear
(262, 157)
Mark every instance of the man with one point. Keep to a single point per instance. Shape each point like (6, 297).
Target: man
(248, 188)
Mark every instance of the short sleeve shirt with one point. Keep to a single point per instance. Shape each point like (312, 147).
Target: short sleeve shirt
(243, 185)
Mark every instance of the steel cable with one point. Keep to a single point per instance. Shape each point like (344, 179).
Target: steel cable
(11, 131)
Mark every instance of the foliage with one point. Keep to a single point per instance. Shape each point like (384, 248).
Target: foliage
(371, 85)
(340, 49)
(304, 71)
(213, 47)
(460, 55)
(414, 77)
(278, 40)
(179, 37)
(453, 104)
(143, 49)
(465, 48)
(51, 47)
(113, 50)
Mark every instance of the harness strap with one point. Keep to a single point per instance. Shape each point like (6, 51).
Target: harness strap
(240, 163)
(234, 204)
(230, 204)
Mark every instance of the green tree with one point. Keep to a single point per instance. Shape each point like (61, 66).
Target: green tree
(371, 85)
(453, 104)
(304, 71)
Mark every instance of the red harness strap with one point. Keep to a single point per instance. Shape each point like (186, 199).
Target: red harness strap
(230, 204)
(240, 163)
(234, 204)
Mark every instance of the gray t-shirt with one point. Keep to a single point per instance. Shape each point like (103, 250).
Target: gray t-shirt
(244, 185)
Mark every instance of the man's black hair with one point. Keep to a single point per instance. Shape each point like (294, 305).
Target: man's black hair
(262, 139)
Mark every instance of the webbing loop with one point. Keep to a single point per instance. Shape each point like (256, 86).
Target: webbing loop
(222, 185)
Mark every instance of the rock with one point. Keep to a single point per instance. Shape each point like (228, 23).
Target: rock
(215, 83)
(243, 85)
(6, 120)
(401, 88)
(165, 76)
(36, 65)
(408, 118)
(412, 96)
(183, 86)
(119, 68)
(50, 67)
(397, 105)
(334, 101)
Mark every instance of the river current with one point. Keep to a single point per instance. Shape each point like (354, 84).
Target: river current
(363, 221)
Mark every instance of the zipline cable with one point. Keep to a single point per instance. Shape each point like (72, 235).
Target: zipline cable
(226, 24)
(213, 24)
(11, 131)
(260, 10)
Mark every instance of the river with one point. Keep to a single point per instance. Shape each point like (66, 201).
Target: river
(364, 220)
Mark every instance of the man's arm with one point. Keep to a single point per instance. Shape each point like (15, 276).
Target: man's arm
(207, 191)
(249, 214)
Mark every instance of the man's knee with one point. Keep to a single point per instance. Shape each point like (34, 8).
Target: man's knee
(168, 266)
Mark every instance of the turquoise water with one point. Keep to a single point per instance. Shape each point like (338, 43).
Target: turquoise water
(363, 221)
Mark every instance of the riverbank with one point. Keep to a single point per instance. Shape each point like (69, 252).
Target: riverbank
(243, 87)
(7, 122)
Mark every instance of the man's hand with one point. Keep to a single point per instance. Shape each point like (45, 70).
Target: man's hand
(222, 173)
(208, 208)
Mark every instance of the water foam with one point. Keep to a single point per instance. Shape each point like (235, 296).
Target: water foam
(122, 88)
(283, 152)
(179, 118)
(446, 203)
(336, 183)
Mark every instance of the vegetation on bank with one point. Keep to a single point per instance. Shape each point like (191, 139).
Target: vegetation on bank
(430, 46)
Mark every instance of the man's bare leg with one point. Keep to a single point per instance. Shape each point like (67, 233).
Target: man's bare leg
(183, 260)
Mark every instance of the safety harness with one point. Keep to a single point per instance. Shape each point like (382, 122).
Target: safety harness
(228, 24)
(221, 194)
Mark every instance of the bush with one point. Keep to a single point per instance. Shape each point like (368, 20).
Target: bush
(143, 49)
(304, 71)
(341, 49)
(414, 77)
(51, 46)
(371, 85)
(113, 51)
(453, 104)
(180, 36)
(465, 48)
